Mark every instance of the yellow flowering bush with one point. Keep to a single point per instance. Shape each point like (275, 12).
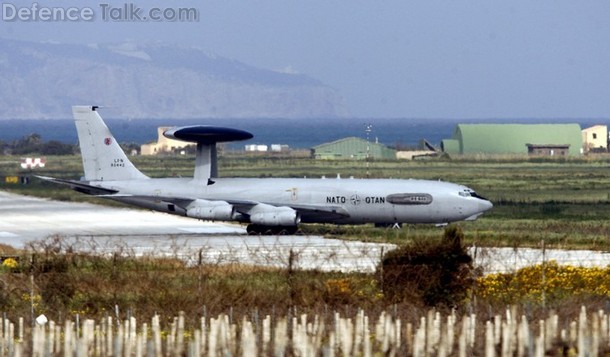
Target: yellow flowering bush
(550, 280)
(10, 263)
(354, 290)
(35, 300)
(338, 287)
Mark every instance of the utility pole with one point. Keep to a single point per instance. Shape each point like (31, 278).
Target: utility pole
(367, 130)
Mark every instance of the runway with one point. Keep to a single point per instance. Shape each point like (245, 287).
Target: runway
(28, 221)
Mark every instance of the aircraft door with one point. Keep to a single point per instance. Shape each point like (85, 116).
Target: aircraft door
(295, 195)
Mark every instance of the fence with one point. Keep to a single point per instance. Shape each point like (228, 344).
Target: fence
(312, 252)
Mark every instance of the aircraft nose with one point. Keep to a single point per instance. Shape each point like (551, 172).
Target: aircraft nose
(485, 205)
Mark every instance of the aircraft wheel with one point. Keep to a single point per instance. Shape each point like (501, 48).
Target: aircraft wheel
(388, 225)
(254, 229)
(259, 229)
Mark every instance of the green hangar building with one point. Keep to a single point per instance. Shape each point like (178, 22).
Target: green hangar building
(533, 139)
(352, 148)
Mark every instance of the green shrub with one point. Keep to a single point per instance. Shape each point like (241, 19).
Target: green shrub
(433, 272)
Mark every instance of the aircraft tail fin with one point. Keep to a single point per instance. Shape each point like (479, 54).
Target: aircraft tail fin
(103, 158)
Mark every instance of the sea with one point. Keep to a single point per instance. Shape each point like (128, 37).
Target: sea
(296, 133)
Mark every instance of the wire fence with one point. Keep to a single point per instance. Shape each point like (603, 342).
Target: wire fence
(307, 252)
(311, 252)
(506, 260)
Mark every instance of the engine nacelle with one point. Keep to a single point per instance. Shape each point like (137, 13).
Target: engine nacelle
(211, 210)
(268, 215)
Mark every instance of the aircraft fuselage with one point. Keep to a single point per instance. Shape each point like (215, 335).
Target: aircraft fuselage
(363, 200)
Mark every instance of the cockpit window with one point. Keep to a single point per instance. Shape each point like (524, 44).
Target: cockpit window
(474, 194)
(471, 193)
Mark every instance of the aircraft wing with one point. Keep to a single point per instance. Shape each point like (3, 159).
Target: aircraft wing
(316, 213)
(307, 212)
(80, 186)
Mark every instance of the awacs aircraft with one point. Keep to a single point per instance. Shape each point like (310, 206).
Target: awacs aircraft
(269, 205)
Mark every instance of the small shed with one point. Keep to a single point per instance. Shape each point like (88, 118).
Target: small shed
(548, 150)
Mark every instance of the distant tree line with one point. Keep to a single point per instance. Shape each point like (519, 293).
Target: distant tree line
(33, 144)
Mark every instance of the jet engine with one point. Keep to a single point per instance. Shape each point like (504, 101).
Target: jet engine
(211, 210)
(267, 215)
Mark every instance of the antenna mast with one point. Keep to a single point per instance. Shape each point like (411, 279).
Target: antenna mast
(367, 130)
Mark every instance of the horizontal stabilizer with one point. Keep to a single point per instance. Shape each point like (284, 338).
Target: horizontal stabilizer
(80, 186)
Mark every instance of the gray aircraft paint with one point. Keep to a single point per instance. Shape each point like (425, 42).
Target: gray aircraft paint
(265, 201)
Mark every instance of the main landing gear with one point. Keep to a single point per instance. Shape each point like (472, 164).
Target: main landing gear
(257, 229)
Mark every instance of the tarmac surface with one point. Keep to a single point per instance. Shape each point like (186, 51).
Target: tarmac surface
(29, 222)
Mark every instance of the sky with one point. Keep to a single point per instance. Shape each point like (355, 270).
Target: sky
(462, 59)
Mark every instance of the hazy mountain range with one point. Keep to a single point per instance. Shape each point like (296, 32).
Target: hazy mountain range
(43, 80)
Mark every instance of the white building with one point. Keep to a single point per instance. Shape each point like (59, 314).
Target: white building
(256, 147)
(595, 138)
(163, 144)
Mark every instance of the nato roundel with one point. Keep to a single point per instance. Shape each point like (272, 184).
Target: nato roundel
(207, 134)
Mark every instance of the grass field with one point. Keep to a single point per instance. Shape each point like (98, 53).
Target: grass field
(561, 201)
